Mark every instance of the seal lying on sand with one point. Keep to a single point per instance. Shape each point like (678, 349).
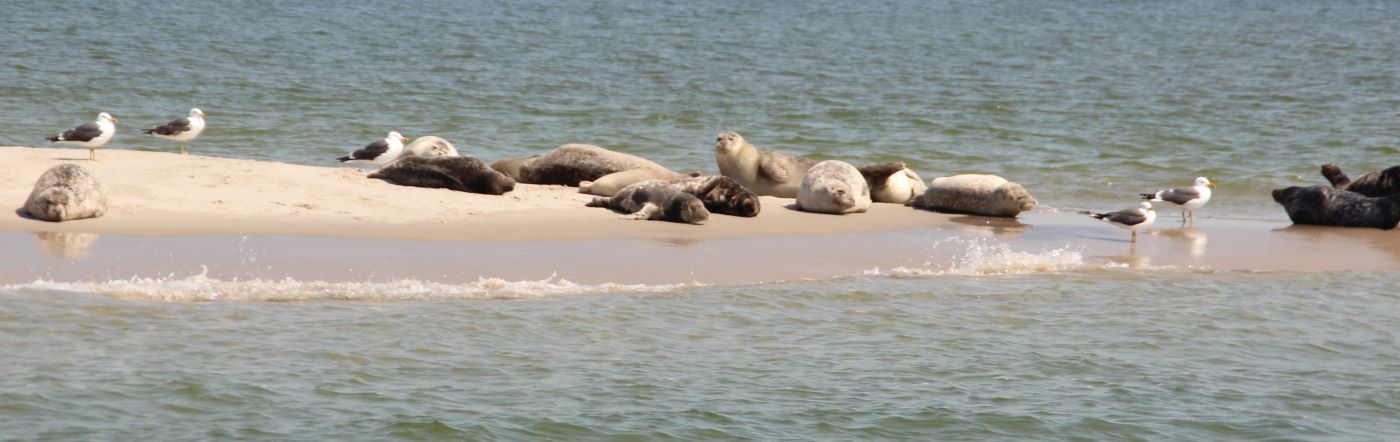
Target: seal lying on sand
(610, 184)
(655, 200)
(430, 146)
(988, 195)
(892, 182)
(766, 172)
(571, 163)
(1330, 206)
(721, 194)
(66, 192)
(1383, 183)
(833, 187)
(463, 174)
(511, 166)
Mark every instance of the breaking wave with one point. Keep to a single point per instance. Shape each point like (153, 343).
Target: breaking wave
(988, 257)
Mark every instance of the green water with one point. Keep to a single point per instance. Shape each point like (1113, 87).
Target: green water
(1083, 102)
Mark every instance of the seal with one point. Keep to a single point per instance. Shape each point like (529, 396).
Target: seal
(1330, 206)
(430, 146)
(721, 194)
(610, 184)
(987, 195)
(463, 174)
(571, 163)
(833, 187)
(1383, 183)
(766, 172)
(511, 166)
(892, 182)
(655, 200)
(66, 192)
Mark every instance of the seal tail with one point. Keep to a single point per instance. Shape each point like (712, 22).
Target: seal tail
(598, 202)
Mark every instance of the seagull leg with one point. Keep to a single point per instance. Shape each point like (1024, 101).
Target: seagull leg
(184, 149)
(1134, 237)
(1183, 217)
(92, 154)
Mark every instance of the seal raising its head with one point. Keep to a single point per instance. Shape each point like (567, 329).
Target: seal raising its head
(833, 187)
(655, 200)
(766, 172)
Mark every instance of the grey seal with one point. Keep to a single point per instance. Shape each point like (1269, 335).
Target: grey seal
(833, 187)
(721, 194)
(610, 184)
(973, 194)
(66, 192)
(655, 200)
(1330, 206)
(463, 174)
(1383, 183)
(766, 172)
(892, 182)
(571, 163)
(430, 146)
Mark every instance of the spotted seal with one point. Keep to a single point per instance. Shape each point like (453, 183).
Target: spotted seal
(834, 187)
(430, 146)
(463, 174)
(766, 172)
(987, 195)
(655, 200)
(66, 192)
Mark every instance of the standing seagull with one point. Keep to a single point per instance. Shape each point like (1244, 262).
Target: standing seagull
(183, 130)
(91, 135)
(379, 152)
(1189, 198)
(1135, 219)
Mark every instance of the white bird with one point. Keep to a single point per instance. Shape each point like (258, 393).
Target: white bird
(183, 130)
(379, 152)
(90, 135)
(1134, 219)
(1189, 198)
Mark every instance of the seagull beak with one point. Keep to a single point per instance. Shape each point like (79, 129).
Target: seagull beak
(405, 139)
(1211, 185)
(114, 118)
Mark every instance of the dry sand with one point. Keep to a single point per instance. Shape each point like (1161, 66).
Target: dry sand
(173, 214)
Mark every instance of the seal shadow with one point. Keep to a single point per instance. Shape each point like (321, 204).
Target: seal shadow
(66, 244)
(24, 213)
(793, 207)
(997, 226)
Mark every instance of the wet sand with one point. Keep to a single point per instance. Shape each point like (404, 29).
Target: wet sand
(175, 216)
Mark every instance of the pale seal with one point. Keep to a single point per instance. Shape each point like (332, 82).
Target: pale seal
(571, 163)
(511, 166)
(610, 184)
(655, 200)
(463, 174)
(766, 172)
(1383, 183)
(987, 195)
(833, 187)
(892, 182)
(430, 146)
(1330, 206)
(66, 192)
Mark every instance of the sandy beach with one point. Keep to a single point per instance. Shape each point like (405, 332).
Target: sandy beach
(173, 214)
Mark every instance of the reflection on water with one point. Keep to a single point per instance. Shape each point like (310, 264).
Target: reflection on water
(1195, 238)
(988, 226)
(66, 244)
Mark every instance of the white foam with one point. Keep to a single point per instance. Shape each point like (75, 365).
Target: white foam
(202, 288)
(988, 257)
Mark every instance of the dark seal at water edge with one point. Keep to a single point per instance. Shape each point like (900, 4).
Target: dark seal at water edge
(463, 174)
(1383, 183)
(655, 200)
(66, 192)
(1330, 206)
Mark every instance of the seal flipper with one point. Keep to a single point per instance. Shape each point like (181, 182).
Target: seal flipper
(599, 202)
(773, 170)
(1334, 175)
(649, 211)
(877, 175)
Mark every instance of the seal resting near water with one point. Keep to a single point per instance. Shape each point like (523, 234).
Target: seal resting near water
(66, 192)
(766, 172)
(511, 166)
(892, 182)
(571, 163)
(430, 146)
(463, 174)
(833, 187)
(1330, 206)
(721, 194)
(610, 184)
(655, 200)
(1383, 183)
(987, 195)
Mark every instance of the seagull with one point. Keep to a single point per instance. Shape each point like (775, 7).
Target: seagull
(1189, 198)
(183, 130)
(379, 152)
(1134, 219)
(91, 135)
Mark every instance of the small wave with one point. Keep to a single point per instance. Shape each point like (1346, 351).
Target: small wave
(200, 287)
(988, 257)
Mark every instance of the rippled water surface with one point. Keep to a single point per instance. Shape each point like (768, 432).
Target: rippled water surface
(1084, 102)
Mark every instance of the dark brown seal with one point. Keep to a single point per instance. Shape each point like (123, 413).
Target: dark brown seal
(721, 194)
(1330, 206)
(571, 163)
(1383, 183)
(463, 174)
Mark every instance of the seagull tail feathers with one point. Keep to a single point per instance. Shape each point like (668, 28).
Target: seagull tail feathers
(148, 131)
(1149, 196)
(53, 139)
(344, 159)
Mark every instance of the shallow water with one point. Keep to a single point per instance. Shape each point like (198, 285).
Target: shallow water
(1084, 102)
